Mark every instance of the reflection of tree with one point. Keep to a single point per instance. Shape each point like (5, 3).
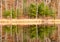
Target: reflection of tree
(54, 36)
(11, 29)
(44, 32)
(32, 31)
(7, 29)
(15, 32)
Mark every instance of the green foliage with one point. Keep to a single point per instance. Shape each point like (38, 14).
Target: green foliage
(7, 29)
(32, 10)
(13, 12)
(7, 13)
(45, 10)
(42, 10)
(32, 31)
(14, 28)
(42, 31)
(45, 31)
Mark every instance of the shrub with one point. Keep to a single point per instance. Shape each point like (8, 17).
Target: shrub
(45, 10)
(13, 12)
(42, 10)
(7, 13)
(32, 10)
